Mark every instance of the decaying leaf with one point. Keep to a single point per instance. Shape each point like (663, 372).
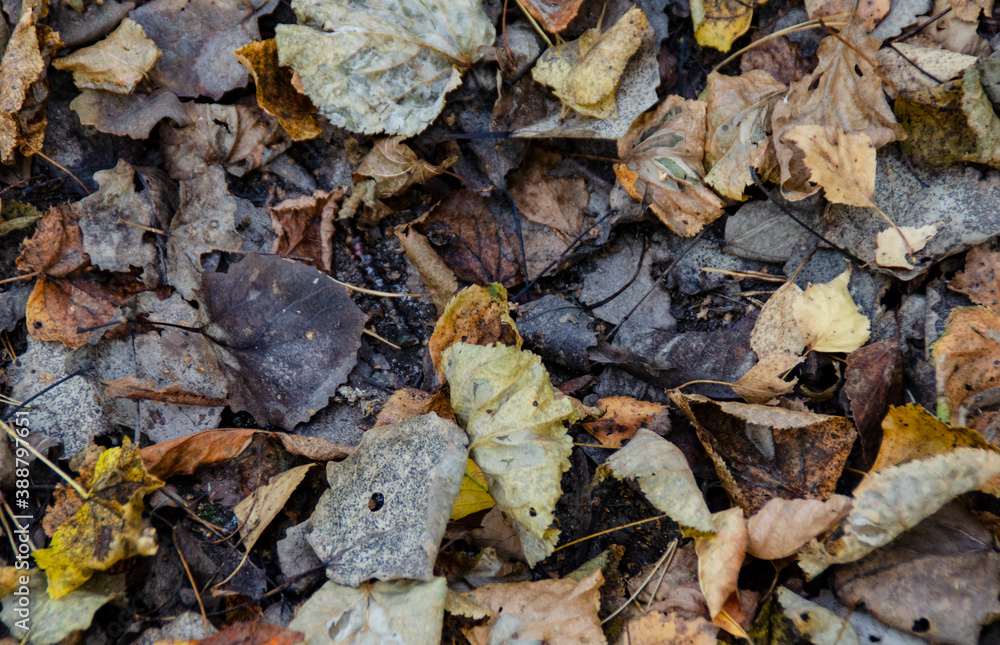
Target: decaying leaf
(895, 499)
(739, 128)
(717, 23)
(59, 307)
(394, 167)
(402, 611)
(911, 73)
(476, 315)
(584, 73)
(895, 244)
(776, 330)
(56, 247)
(677, 628)
(115, 64)
(554, 15)
(720, 558)
(514, 418)
(129, 115)
(784, 526)
(304, 226)
(108, 527)
(51, 621)
(828, 317)
(383, 65)
(263, 505)
(410, 402)
(437, 276)
(965, 362)
(842, 163)
(285, 335)
(664, 477)
(815, 623)
(980, 280)
(766, 379)
(131, 388)
(555, 202)
(623, 417)
(560, 612)
(473, 495)
(662, 161)
(275, 93)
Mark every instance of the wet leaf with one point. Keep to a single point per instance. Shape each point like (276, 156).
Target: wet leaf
(664, 477)
(476, 315)
(815, 623)
(662, 161)
(383, 65)
(378, 612)
(720, 558)
(389, 502)
(108, 527)
(784, 526)
(285, 335)
(895, 499)
(275, 93)
(717, 23)
(263, 505)
(514, 418)
(560, 612)
(473, 495)
(584, 73)
(115, 64)
(132, 115)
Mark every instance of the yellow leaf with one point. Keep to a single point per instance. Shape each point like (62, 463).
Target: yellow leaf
(474, 494)
(256, 511)
(108, 527)
(842, 163)
(893, 245)
(584, 73)
(116, 63)
(275, 93)
(717, 23)
(828, 317)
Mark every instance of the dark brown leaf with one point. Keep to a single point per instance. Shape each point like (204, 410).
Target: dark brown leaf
(303, 227)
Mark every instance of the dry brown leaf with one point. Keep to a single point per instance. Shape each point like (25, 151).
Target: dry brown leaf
(872, 383)
(739, 128)
(776, 330)
(256, 511)
(911, 432)
(556, 202)
(662, 162)
(921, 63)
(58, 307)
(720, 558)
(869, 11)
(623, 416)
(841, 163)
(129, 387)
(410, 402)
(967, 365)
(553, 15)
(56, 247)
(275, 94)
(585, 73)
(439, 279)
(784, 526)
(980, 279)
(115, 64)
(394, 167)
(893, 245)
(765, 380)
(675, 628)
(843, 93)
(556, 612)
(969, 10)
(304, 226)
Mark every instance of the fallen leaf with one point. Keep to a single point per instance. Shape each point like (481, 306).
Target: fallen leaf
(623, 417)
(412, 56)
(304, 227)
(979, 279)
(776, 330)
(240, 138)
(382, 612)
(784, 526)
(584, 73)
(115, 64)
(956, 34)
(870, 12)
(815, 623)
(59, 307)
(662, 161)
(969, 10)
(514, 418)
(965, 365)
(51, 620)
(132, 115)
(910, 584)
(56, 247)
(476, 315)
(895, 499)
(908, 76)
(263, 505)
(410, 402)
(108, 527)
(389, 502)
(437, 276)
(674, 628)
(559, 612)
(720, 558)
(910, 433)
(840, 162)
(872, 383)
(394, 167)
(133, 389)
(717, 23)
(834, 96)
(664, 477)
(23, 77)
(556, 202)
(285, 335)
(554, 15)
(560, 330)
(738, 130)
(246, 633)
(894, 245)
(473, 495)
(197, 40)
(766, 379)
(275, 93)
(761, 453)
(829, 318)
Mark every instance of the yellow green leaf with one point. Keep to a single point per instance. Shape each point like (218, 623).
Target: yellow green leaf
(474, 494)
(717, 23)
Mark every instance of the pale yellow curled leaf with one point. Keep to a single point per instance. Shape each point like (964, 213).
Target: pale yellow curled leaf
(817, 624)
(515, 420)
(842, 163)
(739, 130)
(720, 558)
(829, 318)
(896, 499)
(766, 380)
(664, 477)
(473, 495)
(114, 64)
(383, 65)
(784, 526)
(893, 245)
(406, 612)
(717, 23)
(776, 331)
(584, 73)
(256, 511)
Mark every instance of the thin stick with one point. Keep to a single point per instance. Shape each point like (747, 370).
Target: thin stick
(45, 460)
(666, 554)
(374, 335)
(194, 586)
(809, 24)
(6, 527)
(149, 229)
(595, 445)
(538, 28)
(659, 581)
(749, 275)
(60, 167)
(27, 276)
(371, 292)
(617, 528)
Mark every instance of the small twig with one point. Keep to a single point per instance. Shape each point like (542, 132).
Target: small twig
(148, 229)
(918, 28)
(372, 292)
(374, 335)
(748, 275)
(600, 533)
(534, 23)
(27, 276)
(659, 563)
(60, 167)
(194, 585)
(809, 24)
(920, 69)
(885, 79)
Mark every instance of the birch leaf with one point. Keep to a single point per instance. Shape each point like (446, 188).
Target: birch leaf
(514, 418)
(829, 318)
(383, 65)
(116, 63)
(663, 475)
